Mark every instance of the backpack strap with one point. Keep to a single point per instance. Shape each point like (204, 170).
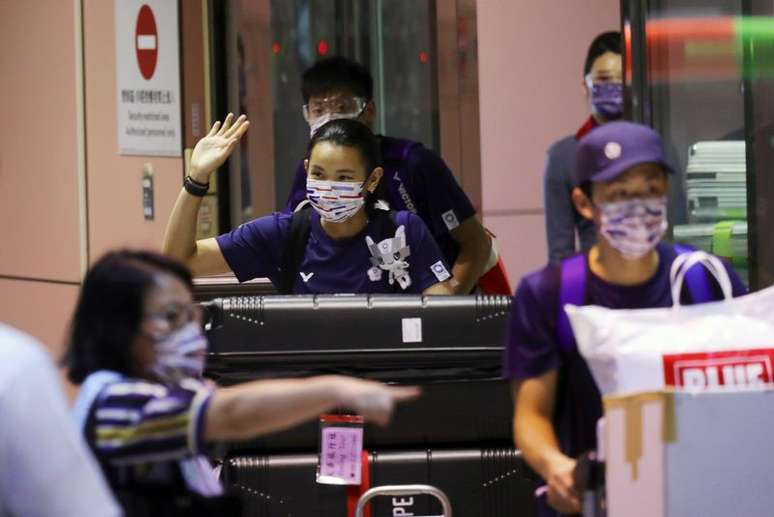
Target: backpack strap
(389, 225)
(572, 291)
(295, 246)
(696, 278)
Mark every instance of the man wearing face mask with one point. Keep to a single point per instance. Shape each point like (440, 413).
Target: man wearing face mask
(602, 84)
(622, 173)
(415, 179)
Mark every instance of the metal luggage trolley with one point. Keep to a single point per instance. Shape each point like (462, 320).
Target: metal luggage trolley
(402, 490)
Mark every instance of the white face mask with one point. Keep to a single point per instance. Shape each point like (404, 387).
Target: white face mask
(319, 122)
(335, 201)
(634, 227)
(181, 354)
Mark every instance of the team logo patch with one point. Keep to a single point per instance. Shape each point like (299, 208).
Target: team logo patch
(450, 219)
(613, 150)
(440, 271)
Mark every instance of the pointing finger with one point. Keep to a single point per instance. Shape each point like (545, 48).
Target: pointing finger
(402, 393)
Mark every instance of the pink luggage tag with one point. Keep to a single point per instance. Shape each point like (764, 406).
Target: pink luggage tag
(341, 450)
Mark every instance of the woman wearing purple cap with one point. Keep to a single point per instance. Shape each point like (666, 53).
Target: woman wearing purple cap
(347, 242)
(622, 173)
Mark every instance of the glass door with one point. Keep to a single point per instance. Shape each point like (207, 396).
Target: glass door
(699, 72)
(261, 48)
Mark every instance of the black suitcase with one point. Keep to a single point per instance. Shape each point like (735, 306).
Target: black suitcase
(446, 415)
(457, 360)
(388, 337)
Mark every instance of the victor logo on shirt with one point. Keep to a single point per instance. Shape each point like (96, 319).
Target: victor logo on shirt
(306, 276)
(404, 195)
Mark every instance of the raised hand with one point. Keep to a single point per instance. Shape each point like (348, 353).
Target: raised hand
(211, 151)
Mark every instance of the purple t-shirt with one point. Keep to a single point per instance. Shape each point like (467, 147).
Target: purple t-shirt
(416, 180)
(532, 347)
(254, 250)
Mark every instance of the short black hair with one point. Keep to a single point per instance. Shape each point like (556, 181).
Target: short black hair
(110, 309)
(355, 134)
(337, 73)
(587, 189)
(605, 42)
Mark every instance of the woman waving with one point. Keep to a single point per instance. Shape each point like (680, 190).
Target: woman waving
(345, 241)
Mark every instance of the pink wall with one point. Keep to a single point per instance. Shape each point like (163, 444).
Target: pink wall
(38, 162)
(40, 261)
(41, 309)
(530, 66)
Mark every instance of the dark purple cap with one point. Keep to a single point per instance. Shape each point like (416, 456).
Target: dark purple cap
(613, 148)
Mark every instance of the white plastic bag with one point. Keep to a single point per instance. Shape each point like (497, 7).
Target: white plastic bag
(726, 343)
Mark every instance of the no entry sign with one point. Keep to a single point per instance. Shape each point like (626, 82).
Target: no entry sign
(148, 77)
(146, 39)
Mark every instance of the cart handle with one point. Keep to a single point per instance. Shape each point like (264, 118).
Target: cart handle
(402, 490)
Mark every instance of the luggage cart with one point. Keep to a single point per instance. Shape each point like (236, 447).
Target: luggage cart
(404, 490)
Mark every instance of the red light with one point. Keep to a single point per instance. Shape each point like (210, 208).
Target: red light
(322, 47)
(423, 57)
(276, 48)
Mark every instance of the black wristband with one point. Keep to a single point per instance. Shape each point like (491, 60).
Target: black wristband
(195, 188)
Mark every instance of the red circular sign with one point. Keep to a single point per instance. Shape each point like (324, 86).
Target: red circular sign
(146, 40)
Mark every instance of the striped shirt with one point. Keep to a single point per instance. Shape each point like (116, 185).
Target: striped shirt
(146, 433)
(138, 421)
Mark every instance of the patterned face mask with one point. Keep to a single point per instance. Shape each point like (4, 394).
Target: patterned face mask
(335, 201)
(181, 354)
(607, 99)
(634, 227)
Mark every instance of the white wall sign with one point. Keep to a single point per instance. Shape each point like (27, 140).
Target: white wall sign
(148, 77)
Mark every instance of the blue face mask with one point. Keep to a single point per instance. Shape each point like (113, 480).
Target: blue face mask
(607, 100)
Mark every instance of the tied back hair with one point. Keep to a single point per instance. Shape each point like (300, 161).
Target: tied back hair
(354, 134)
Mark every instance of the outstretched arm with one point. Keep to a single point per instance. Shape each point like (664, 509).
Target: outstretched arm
(204, 256)
(261, 407)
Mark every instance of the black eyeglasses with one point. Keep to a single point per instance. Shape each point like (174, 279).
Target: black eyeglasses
(176, 316)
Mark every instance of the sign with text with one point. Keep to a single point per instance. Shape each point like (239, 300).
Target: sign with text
(148, 77)
(716, 369)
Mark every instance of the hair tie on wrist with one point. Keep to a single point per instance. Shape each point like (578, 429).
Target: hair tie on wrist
(195, 188)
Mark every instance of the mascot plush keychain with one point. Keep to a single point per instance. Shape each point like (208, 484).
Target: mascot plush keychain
(390, 255)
